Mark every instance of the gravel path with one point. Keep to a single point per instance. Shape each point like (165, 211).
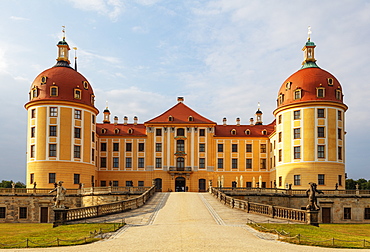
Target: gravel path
(187, 222)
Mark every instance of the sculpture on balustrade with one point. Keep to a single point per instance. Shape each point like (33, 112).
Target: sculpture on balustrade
(312, 199)
(60, 196)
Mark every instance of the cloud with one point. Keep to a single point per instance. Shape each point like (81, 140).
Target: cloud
(147, 2)
(109, 8)
(19, 18)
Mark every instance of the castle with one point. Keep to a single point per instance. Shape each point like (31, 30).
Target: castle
(180, 149)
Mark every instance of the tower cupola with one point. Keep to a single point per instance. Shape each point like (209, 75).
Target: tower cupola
(309, 52)
(106, 113)
(63, 50)
(259, 116)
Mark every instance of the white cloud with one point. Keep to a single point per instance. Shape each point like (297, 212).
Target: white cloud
(110, 8)
(19, 18)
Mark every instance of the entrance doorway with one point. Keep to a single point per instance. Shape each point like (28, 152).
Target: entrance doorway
(44, 214)
(326, 215)
(158, 185)
(202, 185)
(180, 184)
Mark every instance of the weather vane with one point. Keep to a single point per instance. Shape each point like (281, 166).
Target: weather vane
(64, 32)
(309, 32)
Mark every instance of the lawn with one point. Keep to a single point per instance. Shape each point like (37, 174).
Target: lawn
(15, 235)
(327, 235)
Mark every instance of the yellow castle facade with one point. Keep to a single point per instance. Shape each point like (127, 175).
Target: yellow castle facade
(180, 149)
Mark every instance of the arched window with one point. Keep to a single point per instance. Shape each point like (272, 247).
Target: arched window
(103, 131)
(297, 94)
(180, 145)
(130, 131)
(53, 91)
(247, 132)
(320, 92)
(116, 131)
(180, 132)
(338, 94)
(77, 94)
(264, 132)
(191, 119)
(170, 118)
(233, 132)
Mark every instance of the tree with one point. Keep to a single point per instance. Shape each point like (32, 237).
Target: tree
(8, 184)
(363, 184)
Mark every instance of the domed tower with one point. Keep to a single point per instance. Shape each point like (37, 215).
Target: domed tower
(61, 144)
(310, 128)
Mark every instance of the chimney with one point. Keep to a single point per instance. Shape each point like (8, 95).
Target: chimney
(125, 119)
(115, 120)
(237, 121)
(251, 121)
(180, 99)
(135, 120)
(224, 121)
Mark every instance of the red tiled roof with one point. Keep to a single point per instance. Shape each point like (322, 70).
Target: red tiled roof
(138, 130)
(180, 113)
(255, 130)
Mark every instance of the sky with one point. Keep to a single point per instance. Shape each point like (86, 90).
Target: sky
(223, 56)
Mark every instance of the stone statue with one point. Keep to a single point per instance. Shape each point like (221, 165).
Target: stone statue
(60, 196)
(336, 186)
(312, 200)
(34, 185)
(13, 185)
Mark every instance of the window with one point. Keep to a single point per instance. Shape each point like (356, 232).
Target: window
(248, 148)
(340, 180)
(141, 146)
(115, 183)
(297, 94)
(23, 213)
(280, 136)
(280, 119)
(220, 147)
(52, 150)
(234, 163)
(77, 133)
(339, 152)
(320, 113)
(339, 115)
(339, 133)
(2, 212)
(190, 119)
(202, 163)
(92, 99)
(93, 119)
(202, 132)
(128, 147)
(180, 145)
(248, 163)
(103, 162)
(158, 132)
(233, 132)
(33, 113)
(103, 183)
(338, 94)
(115, 146)
(103, 146)
(321, 179)
(77, 114)
(140, 163)
(180, 132)
(140, 183)
(220, 163)
(129, 183)
(321, 151)
(347, 213)
(263, 163)
(320, 131)
(280, 181)
(234, 148)
(158, 147)
(320, 92)
(93, 136)
(202, 147)
(128, 162)
(33, 131)
(115, 162)
(52, 178)
(249, 184)
(77, 94)
(85, 84)
(366, 216)
(297, 179)
(158, 162)
(330, 82)
(180, 163)
(77, 151)
(247, 132)
(53, 111)
(52, 130)
(32, 178)
(297, 133)
(263, 148)
(34, 92)
(297, 114)
(280, 155)
(288, 85)
(76, 178)
(297, 152)
(170, 118)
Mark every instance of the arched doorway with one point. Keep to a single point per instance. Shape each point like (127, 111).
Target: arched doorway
(180, 184)
(202, 185)
(158, 185)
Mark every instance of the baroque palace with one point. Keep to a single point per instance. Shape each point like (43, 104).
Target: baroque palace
(180, 149)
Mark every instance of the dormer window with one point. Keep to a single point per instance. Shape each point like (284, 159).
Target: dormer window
(297, 94)
(85, 84)
(170, 118)
(53, 91)
(281, 99)
(338, 94)
(34, 92)
(77, 94)
(247, 132)
(330, 81)
(191, 119)
(233, 132)
(103, 131)
(320, 92)
(43, 80)
(264, 132)
(116, 131)
(288, 85)
(92, 99)
(130, 131)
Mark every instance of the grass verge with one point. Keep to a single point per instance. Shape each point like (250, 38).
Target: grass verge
(19, 235)
(327, 235)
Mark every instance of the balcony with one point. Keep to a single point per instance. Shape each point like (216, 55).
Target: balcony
(180, 170)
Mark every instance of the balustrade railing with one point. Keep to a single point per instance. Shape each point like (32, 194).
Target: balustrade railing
(43, 191)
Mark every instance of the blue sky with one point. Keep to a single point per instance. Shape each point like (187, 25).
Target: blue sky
(223, 56)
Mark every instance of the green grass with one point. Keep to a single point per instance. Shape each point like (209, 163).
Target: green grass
(14, 235)
(345, 235)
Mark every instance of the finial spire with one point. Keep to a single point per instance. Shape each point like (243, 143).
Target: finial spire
(309, 33)
(64, 32)
(75, 48)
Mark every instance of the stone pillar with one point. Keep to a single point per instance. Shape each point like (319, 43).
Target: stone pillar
(60, 216)
(312, 217)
